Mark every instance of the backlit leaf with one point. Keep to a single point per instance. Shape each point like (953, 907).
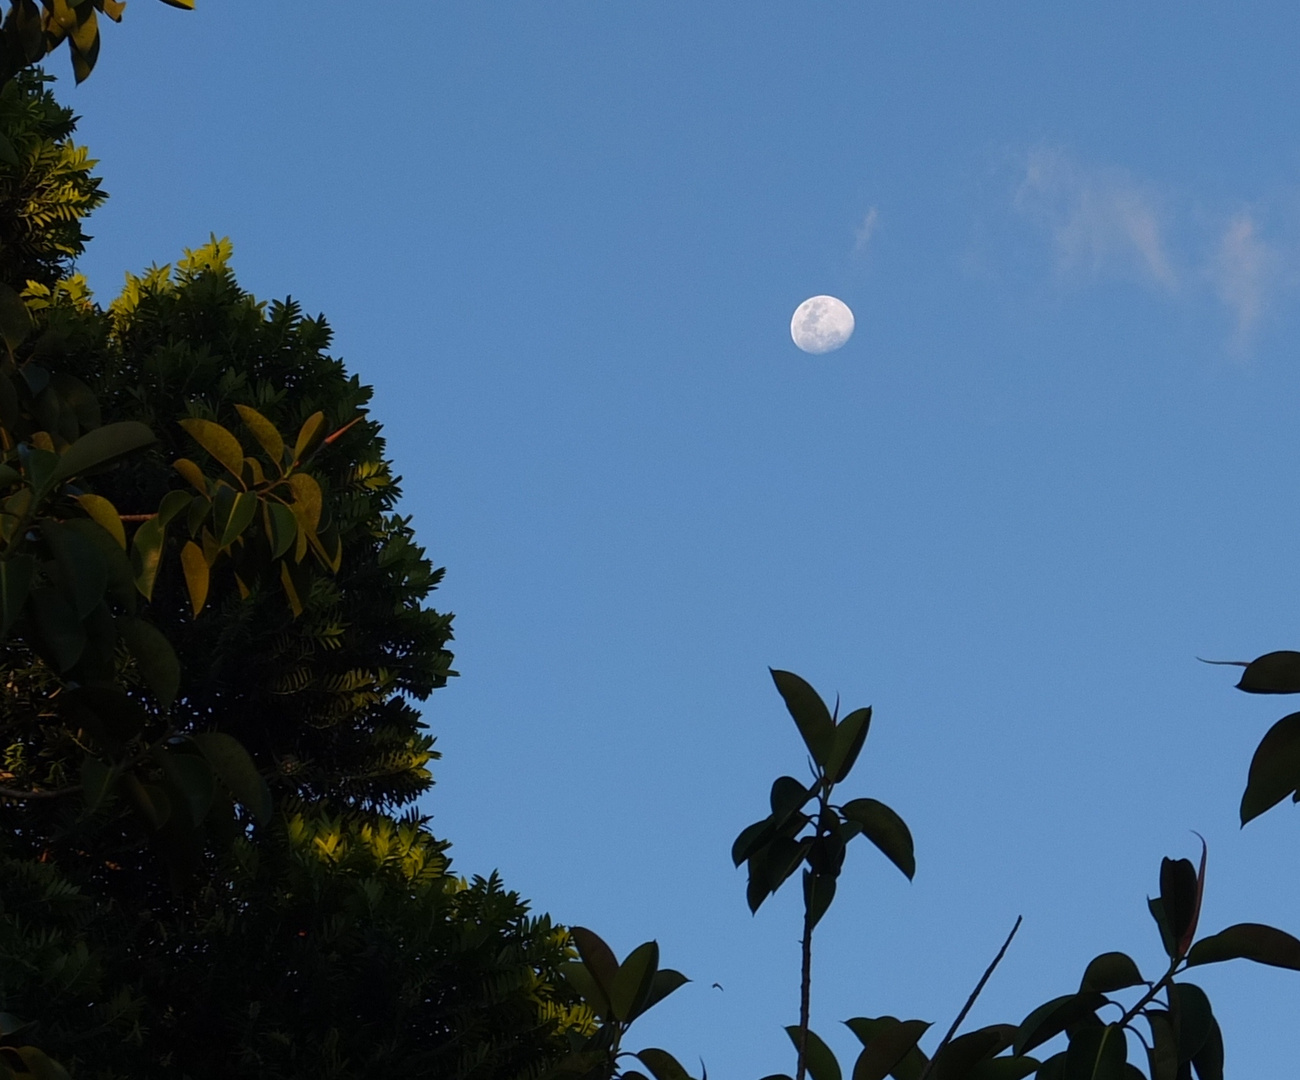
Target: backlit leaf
(105, 515)
(1274, 770)
(598, 957)
(195, 567)
(309, 437)
(1273, 673)
(818, 1057)
(1110, 971)
(886, 830)
(264, 432)
(809, 713)
(1248, 941)
(217, 441)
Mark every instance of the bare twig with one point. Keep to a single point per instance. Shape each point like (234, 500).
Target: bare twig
(970, 1001)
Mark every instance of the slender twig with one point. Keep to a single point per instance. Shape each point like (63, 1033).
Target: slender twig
(970, 1001)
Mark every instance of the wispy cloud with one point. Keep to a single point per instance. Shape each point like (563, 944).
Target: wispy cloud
(1102, 221)
(1245, 270)
(866, 231)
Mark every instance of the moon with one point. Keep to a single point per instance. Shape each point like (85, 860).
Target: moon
(821, 324)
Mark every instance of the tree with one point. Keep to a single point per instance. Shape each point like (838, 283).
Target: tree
(215, 627)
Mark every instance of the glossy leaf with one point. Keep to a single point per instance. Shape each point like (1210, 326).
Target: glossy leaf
(751, 838)
(818, 892)
(886, 830)
(1274, 770)
(818, 1057)
(1178, 895)
(1110, 971)
(192, 474)
(1208, 1061)
(662, 1065)
(1193, 1019)
(307, 500)
(195, 567)
(15, 584)
(264, 432)
(282, 529)
(101, 446)
(598, 957)
(220, 443)
(1052, 1017)
(665, 982)
(810, 714)
(241, 515)
(105, 515)
(230, 761)
(1097, 1053)
(1272, 673)
(850, 736)
(155, 657)
(1248, 941)
(146, 555)
(310, 436)
(787, 797)
(632, 981)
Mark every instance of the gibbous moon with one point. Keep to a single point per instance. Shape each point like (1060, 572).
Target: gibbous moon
(821, 324)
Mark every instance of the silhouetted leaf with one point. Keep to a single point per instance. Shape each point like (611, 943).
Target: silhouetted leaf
(1097, 1053)
(1162, 1056)
(1178, 895)
(1193, 1018)
(1248, 941)
(1208, 1061)
(1053, 1068)
(886, 830)
(1272, 673)
(1110, 971)
(850, 735)
(809, 712)
(633, 980)
(788, 796)
(598, 957)
(886, 1041)
(1274, 770)
(818, 892)
(230, 761)
(956, 1060)
(584, 983)
(1053, 1017)
(750, 839)
(665, 982)
(662, 1064)
(817, 1055)
(1167, 939)
(1004, 1068)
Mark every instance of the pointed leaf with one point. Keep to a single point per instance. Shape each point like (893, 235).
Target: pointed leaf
(309, 437)
(886, 830)
(195, 567)
(146, 555)
(231, 762)
(1162, 1057)
(633, 980)
(1097, 1053)
(264, 432)
(1208, 1061)
(598, 957)
(192, 474)
(809, 713)
(665, 982)
(956, 1060)
(220, 443)
(241, 514)
(818, 892)
(788, 796)
(888, 1043)
(1109, 972)
(584, 984)
(101, 446)
(1053, 1017)
(850, 736)
(751, 838)
(307, 500)
(662, 1065)
(1272, 673)
(1193, 1019)
(155, 657)
(818, 1058)
(1274, 770)
(105, 515)
(1248, 941)
(281, 528)
(1178, 894)
(1157, 909)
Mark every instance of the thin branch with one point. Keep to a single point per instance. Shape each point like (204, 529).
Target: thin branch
(970, 1001)
(15, 793)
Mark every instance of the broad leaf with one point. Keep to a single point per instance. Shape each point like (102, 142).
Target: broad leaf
(191, 776)
(666, 981)
(817, 1055)
(15, 584)
(1110, 971)
(809, 712)
(818, 892)
(850, 736)
(146, 555)
(155, 657)
(61, 632)
(1193, 1019)
(788, 796)
(15, 321)
(282, 529)
(1162, 1055)
(1097, 1053)
(662, 1065)
(101, 446)
(633, 980)
(1178, 895)
(105, 515)
(220, 443)
(889, 1041)
(1248, 941)
(307, 500)
(886, 830)
(241, 514)
(84, 574)
(1274, 770)
(230, 761)
(1208, 1061)
(598, 957)
(956, 1060)
(309, 437)
(1272, 673)
(751, 838)
(1053, 1017)
(1004, 1068)
(264, 432)
(584, 983)
(195, 567)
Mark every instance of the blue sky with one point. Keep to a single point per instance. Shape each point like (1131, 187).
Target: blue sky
(1054, 465)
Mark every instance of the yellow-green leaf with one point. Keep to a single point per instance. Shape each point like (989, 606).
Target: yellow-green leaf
(309, 436)
(307, 499)
(196, 575)
(105, 515)
(218, 442)
(192, 473)
(264, 432)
